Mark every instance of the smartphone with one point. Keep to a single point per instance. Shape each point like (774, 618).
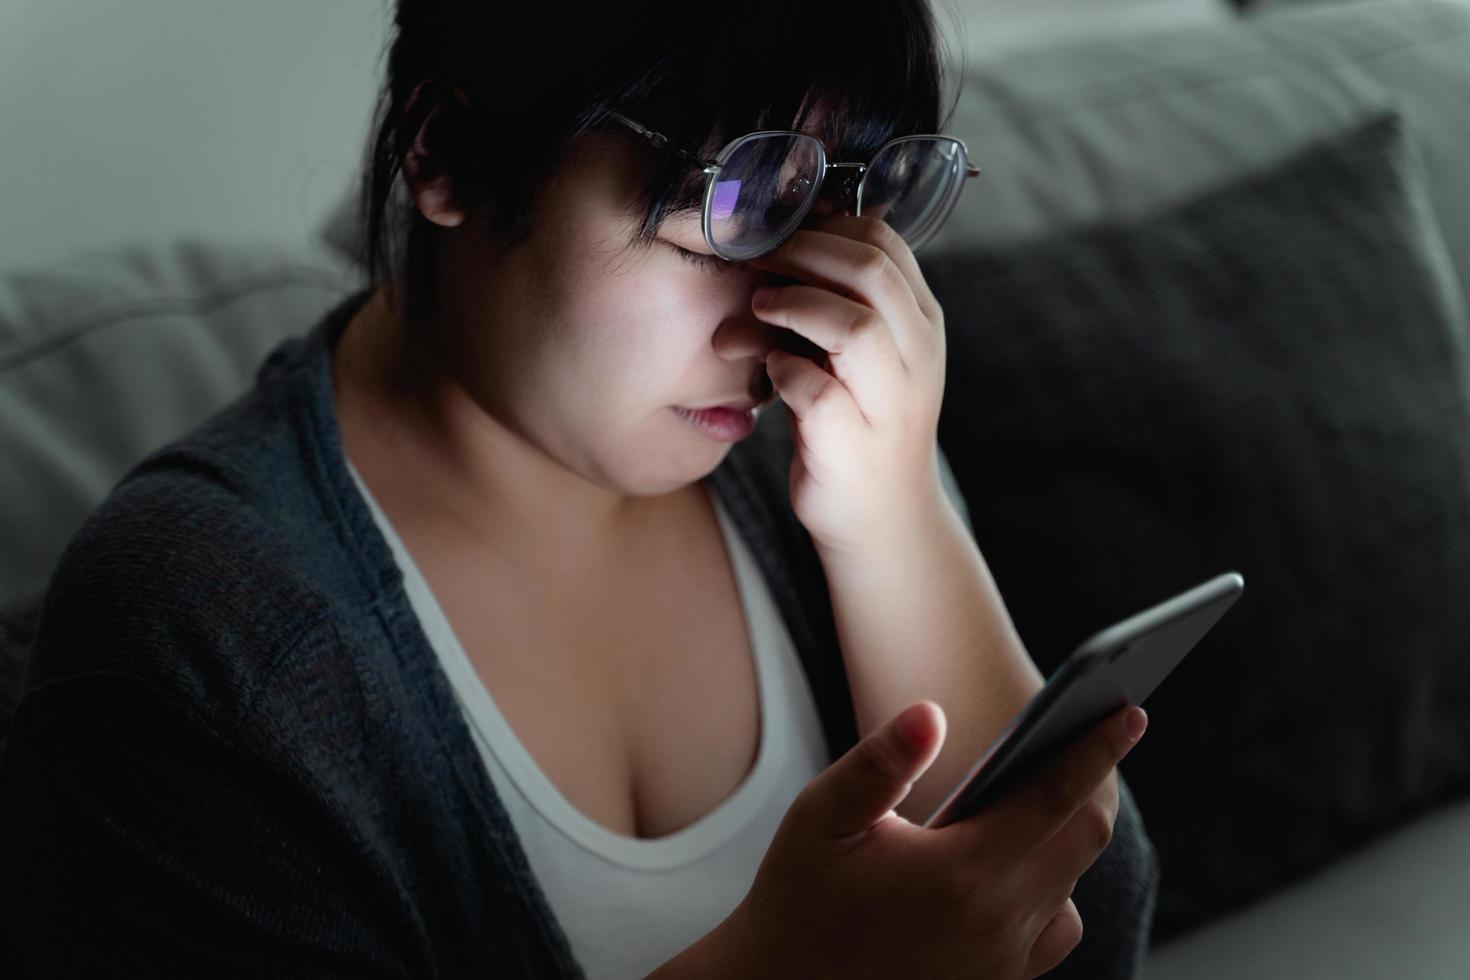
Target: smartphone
(1120, 665)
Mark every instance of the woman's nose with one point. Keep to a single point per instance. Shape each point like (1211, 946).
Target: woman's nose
(739, 337)
(821, 207)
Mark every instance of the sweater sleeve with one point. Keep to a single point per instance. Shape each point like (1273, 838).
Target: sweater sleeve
(138, 841)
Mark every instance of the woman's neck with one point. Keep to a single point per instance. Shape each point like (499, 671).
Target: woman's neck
(437, 462)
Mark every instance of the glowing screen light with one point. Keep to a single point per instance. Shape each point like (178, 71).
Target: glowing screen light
(727, 192)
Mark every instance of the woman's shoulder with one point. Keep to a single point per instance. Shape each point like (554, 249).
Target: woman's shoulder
(199, 570)
(227, 540)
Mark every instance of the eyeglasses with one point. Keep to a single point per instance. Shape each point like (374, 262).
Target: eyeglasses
(760, 186)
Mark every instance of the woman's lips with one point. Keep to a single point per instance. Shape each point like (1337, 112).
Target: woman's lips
(722, 423)
(740, 406)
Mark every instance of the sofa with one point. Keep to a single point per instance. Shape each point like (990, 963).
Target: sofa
(1206, 310)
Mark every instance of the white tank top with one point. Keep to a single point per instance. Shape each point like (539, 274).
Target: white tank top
(627, 904)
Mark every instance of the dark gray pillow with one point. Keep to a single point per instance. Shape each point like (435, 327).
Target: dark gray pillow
(17, 628)
(1268, 378)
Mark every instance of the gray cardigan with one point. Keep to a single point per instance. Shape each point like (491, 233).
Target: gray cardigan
(236, 753)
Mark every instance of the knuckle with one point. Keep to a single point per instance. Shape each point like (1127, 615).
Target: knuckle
(1074, 918)
(803, 812)
(1062, 932)
(876, 231)
(863, 320)
(808, 799)
(826, 398)
(1099, 824)
(878, 761)
(875, 264)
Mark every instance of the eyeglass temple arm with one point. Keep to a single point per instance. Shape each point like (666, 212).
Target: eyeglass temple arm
(659, 139)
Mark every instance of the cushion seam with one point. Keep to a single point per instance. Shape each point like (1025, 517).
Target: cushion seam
(168, 305)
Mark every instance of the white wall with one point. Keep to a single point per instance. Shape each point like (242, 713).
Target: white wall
(125, 120)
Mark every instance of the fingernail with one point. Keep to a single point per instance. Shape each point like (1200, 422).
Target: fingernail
(1135, 722)
(909, 725)
(762, 296)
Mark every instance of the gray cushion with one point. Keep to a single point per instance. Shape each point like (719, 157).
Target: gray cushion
(17, 627)
(1396, 908)
(1114, 128)
(108, 356)
(1270, 377)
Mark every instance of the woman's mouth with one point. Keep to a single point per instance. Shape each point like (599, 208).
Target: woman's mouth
(721, 423)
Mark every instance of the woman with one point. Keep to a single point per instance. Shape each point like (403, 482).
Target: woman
(258, 736)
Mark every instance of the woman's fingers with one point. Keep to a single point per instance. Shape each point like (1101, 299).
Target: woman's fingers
(862, 271)
(811, 393)
(1028, 815)
(1056, 867)
(1056, 940)
(858, 343)
(882, 235)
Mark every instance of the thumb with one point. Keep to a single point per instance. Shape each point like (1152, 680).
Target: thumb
(874, 776)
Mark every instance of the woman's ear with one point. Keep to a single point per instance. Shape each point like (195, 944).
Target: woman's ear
(429, 184)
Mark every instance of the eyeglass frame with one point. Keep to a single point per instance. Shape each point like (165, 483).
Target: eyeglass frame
(711, 168)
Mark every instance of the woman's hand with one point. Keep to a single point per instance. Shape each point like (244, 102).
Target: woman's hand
(864, 423)
(849, 889)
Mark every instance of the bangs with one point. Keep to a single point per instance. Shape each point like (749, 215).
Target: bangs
(854, 77)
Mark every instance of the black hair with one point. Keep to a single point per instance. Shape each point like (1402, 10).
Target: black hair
(515, 93)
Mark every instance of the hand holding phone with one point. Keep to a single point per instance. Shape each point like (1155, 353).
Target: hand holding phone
(849, 888)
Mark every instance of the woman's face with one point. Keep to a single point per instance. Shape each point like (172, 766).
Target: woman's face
(584, 347)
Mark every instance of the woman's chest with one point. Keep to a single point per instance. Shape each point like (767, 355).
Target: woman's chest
(638, 697)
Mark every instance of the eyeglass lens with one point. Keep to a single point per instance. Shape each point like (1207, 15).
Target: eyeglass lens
(766, 184)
